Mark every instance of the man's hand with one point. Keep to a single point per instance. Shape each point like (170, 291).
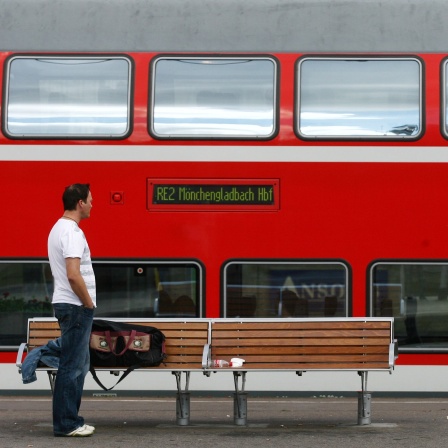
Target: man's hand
(76, 281)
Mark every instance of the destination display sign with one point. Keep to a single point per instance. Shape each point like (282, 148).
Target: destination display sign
(217, 194)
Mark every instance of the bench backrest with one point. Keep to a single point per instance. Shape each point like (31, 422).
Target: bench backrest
(308, 344)
(185, 339)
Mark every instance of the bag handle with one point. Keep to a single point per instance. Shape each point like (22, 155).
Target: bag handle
(132, 335)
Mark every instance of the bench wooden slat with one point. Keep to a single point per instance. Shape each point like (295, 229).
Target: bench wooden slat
(186, 341)
(184, 357)
(326, 357)
(184, 334)
(301, 325)
(169, 366)
(189, 349)
(300, 333)
(318, 342)
(44, 331)
(304, 350)
(314, 366)
(43, 325)
(175, 325)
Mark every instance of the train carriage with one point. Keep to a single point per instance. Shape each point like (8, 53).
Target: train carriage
(265, 159)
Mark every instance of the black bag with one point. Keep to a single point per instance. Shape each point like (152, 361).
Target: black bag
(119, 344)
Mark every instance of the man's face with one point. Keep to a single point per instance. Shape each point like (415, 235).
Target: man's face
(86, 206)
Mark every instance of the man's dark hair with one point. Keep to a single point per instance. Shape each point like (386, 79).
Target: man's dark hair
(74, 193)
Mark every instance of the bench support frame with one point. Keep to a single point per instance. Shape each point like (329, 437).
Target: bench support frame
(52, 378)
(364, 401)
(182, 399)
(240, 399)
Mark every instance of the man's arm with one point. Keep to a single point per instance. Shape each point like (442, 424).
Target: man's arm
(76, 281)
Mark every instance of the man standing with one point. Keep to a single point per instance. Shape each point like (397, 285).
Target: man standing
(74, 301)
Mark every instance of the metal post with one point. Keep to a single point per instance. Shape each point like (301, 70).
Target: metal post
(240, 400)
(182, 400)
(364, 401)
(183, 408)
(240, 408)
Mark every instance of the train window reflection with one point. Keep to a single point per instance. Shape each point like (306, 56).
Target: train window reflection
(286, 289)
(416, 295)
(130, 289)
(445, 98)
(26, 289)
(139, 289)
(359, 98)
(214, 98)
(63, 97)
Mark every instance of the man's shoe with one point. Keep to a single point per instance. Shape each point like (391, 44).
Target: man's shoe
(82, 431)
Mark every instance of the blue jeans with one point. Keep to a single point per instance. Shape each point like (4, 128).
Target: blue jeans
(76, 324)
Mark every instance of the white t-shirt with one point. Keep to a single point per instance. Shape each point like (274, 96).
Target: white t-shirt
(67, 240)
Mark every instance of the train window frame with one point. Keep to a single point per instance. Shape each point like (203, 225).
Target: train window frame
(408, 320)
(209, 60)
(277, 309)
(402, 132)
(21, 301)
(444, 97)
(127, 122)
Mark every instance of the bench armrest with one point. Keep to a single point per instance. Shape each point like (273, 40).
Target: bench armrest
(206, 356)
(393, 353)
(22, 348)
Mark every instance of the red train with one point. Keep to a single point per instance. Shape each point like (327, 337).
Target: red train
(228, 184)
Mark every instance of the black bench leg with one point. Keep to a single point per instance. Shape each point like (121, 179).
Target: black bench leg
(182, 400)
(364, 402)
(240, 400)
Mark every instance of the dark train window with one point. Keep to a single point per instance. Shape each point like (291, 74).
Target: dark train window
(68, 97)
(445, 98)
(138, 289)
(416, 295)
(124, 289)
(359, 98)
(286, 289)
(26, 289)
(213, 97)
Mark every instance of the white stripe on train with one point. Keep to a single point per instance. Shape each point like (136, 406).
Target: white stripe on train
(233, 153)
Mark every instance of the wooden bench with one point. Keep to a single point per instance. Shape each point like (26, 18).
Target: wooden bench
(283, 344)
(186, 340)
(300, 345)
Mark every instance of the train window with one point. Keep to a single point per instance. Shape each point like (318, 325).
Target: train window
(67, 97)
(359, 98)
(213, 98)
(286, 289)
(445, 98)
(124, 289)
(416, 295)
(25, 291)
(140, 289)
